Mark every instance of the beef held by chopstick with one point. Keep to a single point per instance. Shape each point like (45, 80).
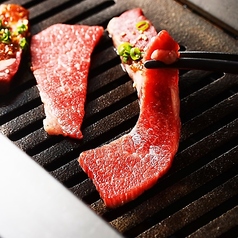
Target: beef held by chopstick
(14, 31)
(60, 63)
(123, 169)
(133, 35)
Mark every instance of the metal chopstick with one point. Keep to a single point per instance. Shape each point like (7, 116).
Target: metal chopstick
(210, 61)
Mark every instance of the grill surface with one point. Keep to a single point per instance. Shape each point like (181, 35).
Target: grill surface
(199, 195)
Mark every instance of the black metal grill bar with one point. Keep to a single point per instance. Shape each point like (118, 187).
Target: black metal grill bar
(214, 143)
(203, 120)
(44, 9)
(214, 213)
(103, 61)
(77, 12)
(55, 151)
(21, 2)
(223, 226)
(194, 80)
(110, 98)
(196, 210)
(72, 170)
(14, 107)
(22, 125)
(84, 189)
(207, 96)
(97, 86)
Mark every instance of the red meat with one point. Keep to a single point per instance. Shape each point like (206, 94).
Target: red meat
(123, 169)
(14, 29)
(60, 63)
(127, 32)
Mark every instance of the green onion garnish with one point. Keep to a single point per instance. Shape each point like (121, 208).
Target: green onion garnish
(124, 48)
(22, 28)
(5, 35)
(23, 43)
(126, 51)
(135, 53)
(142, 25)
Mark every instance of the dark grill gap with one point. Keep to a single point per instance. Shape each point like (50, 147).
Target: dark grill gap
(45, 10)
(200, 190)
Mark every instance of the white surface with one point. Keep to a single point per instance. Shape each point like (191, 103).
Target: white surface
(33, 204)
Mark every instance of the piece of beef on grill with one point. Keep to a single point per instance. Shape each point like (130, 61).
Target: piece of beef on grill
(130, 32)
(14, 30)
(123, 169)
(60, 63)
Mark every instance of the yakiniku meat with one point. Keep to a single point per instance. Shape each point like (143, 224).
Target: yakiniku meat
(136, 31)
(123, 169)
(14, 31)
(61, 57)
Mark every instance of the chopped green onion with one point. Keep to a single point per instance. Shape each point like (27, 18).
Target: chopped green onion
(23, 43)
(125, 58)
(5, 35)
(126, 51)
(22, 28)
(142, 25)
(124, 48)
(135, 53)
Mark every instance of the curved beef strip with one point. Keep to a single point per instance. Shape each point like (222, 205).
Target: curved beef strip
(123, 169)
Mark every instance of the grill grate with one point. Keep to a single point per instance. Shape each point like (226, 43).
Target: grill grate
(200, 190)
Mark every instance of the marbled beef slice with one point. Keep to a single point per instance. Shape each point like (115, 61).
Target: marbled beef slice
(123, 169)
(60, 63)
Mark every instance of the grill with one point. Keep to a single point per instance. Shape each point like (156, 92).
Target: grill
(198, 197)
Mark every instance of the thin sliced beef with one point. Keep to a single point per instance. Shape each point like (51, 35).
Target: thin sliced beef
(128, 32)
(123, 169)
(60, 63)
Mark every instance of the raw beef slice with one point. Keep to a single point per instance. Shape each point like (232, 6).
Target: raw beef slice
(60, 63)
(123, 169)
